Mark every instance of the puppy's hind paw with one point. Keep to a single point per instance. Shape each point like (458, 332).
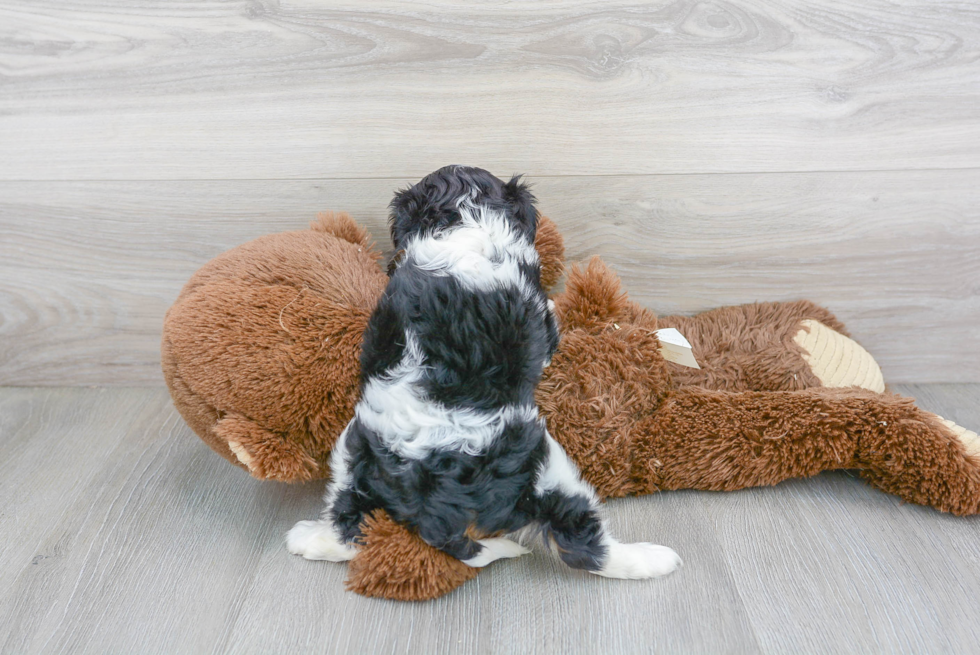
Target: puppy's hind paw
(494, 549)
(638, 561)
(318, 540)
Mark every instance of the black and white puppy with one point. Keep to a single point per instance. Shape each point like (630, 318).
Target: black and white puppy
(446, 436)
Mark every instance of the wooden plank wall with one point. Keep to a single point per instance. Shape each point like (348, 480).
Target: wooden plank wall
(713, 153)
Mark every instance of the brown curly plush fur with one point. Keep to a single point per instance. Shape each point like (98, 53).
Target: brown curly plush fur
(551, 252)
(254, 334)
(749, 347)
(386, 547)
(260, 352)
(611, 402)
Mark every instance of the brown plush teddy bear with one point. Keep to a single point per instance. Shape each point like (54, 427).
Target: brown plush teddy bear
(260, 352)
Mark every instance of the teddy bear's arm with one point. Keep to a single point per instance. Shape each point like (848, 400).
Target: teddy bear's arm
(773, 346)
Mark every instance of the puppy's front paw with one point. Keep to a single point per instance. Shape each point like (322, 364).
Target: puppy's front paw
(494, 549)
(638, 561)
(318, 540)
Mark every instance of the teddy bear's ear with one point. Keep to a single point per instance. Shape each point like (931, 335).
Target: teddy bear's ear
(342, 226)
(551, 251)
(593, 297)
(406, 203)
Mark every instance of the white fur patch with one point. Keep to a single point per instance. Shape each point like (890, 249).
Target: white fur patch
(637, 561)
(494, 549)
(394, 407)
(318, 540)
(483, 252)
(627, 561)
(339, 473)
(559, 473)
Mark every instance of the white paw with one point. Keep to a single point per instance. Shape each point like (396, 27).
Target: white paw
(494, 549)
(638, 561)
(318, 540)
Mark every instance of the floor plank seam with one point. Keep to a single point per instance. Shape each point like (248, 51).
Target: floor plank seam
(530, 175)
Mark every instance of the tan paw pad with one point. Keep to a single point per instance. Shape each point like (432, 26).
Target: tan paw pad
(243, 455)
(969, 438)
(836, 360)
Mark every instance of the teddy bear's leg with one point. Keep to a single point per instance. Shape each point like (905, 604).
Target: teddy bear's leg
(776, 346)
(266, 454)
(723, 441)
(720, 441)
(922, 458)
(969, 438)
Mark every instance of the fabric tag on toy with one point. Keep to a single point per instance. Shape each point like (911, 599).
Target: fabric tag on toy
(675, 348)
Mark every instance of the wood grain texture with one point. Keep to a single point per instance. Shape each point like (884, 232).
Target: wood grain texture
(131, 536)
(87, 269)
(121, 89)
(712, 153)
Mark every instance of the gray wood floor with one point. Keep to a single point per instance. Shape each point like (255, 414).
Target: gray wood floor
(122, 532)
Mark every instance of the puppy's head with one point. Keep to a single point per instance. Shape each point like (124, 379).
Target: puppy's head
(436, 202)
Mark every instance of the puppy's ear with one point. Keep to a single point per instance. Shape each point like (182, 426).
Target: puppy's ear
(521, 200)
(405, 207)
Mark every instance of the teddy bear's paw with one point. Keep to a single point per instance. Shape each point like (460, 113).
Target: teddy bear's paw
(494, 549)
(318, 540)
(969, 438)
(267, 455)
(836, 360)
(638, 561)
(245, 457)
